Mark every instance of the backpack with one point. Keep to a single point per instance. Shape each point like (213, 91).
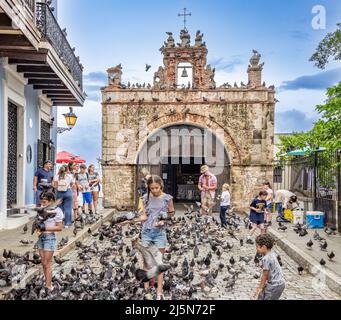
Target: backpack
(62, 185)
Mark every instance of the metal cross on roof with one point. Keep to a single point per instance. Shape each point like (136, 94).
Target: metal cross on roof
(184, 15)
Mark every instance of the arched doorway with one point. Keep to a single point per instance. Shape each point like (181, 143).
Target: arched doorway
(177, 152)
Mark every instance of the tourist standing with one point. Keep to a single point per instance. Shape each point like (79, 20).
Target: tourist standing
(95, 186)
(73, 170)
(83, 181)
(269, 203)
(42, 177)
(257, 212)
(63, 183)
(47, 242)
(155, 202)
(225, 204)
(143, 187)
(207, 186)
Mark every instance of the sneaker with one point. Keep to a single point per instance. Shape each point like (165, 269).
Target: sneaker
(249, 241)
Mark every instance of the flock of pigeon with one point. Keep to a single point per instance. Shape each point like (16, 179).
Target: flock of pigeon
(14, 267)
(201, 261)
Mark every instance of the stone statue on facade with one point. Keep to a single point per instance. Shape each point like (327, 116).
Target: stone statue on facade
(115, 76)
(255, 59)
(170, 41)
(198, 39)
(185, 39)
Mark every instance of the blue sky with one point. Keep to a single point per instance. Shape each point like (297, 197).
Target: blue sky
(108, 32)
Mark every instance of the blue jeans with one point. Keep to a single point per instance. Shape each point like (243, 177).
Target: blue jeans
(37, 199)
(66, 206)
(279, 209)
(223, 211)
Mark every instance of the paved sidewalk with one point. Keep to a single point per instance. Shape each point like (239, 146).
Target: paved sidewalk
(10, 240)
(295, 246)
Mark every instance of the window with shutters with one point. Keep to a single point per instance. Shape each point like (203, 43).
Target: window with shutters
(278, 175)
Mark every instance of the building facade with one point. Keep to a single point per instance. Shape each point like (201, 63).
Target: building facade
(184, 120)
(39, 72)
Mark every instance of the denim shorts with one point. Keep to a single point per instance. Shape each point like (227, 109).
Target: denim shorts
(269, 206)
(157, 237)
(47, 242)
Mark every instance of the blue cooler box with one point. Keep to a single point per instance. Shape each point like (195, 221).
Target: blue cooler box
(315, 219)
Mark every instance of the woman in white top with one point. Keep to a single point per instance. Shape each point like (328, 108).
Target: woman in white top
(47, 241)
(225, 204)
(63, 183)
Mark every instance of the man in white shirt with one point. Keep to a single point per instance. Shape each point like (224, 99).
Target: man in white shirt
(285, 199)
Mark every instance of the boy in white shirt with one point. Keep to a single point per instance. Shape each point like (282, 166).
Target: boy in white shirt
(225, 204)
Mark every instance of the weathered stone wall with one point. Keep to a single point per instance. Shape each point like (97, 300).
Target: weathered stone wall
(246, 116)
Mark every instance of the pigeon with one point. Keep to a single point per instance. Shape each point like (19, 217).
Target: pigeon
(26, 242)
(324, 245)
(282, 228)
(300, 270)
(329, 231)
(148, 67)
(309, 244)
(25, 229)
(331, 255)
(44, 213)
(279, 259)
(59, 261)
(152, 259)
(75, 231)
(322, 262)
(232, 261)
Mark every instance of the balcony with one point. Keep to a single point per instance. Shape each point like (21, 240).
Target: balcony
(51, 31)
(31, 39)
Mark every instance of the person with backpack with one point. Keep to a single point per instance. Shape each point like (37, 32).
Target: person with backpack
(83, 181)
(95, 186)
(63, 183)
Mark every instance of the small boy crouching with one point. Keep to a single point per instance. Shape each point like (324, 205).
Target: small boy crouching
(272, 282)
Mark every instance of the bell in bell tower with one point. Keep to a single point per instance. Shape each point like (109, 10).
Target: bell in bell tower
(184, 64)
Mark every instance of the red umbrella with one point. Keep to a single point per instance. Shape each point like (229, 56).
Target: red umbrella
(65, 157)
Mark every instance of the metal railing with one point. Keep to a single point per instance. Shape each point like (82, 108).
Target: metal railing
(316, 178)
(30, 5)
(49, 27)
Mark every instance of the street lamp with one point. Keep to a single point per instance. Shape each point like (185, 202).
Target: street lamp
(70, 119)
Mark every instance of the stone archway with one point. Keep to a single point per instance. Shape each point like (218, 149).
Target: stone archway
(195, 120)
(179, 165)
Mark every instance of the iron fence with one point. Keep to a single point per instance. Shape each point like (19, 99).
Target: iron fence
(315, 179)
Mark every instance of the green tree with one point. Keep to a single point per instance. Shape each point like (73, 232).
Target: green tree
(329, 47)
(326, 131)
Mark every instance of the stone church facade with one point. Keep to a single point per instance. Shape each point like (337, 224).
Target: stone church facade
(185, 101)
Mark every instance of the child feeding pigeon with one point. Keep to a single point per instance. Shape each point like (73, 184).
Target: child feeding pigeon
(257, 208)
(47, 234)
(272, 282)
(157, 208)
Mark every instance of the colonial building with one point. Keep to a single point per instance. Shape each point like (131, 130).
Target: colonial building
(39, 72)
(184, 120)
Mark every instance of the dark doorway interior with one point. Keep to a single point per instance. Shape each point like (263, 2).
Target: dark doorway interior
(181, 179)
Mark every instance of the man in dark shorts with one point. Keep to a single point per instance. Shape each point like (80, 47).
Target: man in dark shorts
(257, 208)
